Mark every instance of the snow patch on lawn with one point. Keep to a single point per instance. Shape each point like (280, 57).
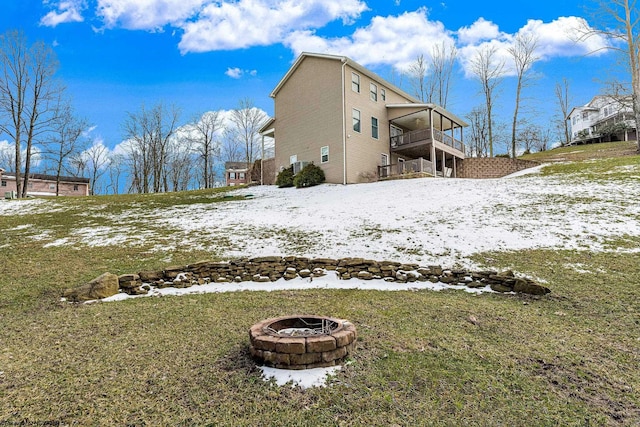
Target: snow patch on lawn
(330, 281)
(426, 221)
(305, 378)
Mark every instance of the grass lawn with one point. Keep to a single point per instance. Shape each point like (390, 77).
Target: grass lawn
(450, 358)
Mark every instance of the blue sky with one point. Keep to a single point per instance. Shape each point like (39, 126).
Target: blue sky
(205, 55)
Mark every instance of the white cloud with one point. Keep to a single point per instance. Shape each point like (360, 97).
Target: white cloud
(147, 14)
(8, 156)
(235, 25)
(481, 30)
(234, 73)
(392, 40)
(237, 73)
(556, 39)
(66, 11)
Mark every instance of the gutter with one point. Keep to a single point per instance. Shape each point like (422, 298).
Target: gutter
(344, 130)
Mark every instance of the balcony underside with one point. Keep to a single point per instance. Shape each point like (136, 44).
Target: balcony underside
(419, 143)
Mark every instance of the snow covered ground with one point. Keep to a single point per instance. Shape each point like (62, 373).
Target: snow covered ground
(428, 221)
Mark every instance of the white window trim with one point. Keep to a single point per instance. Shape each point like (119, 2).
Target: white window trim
(359, 120)
(354, 77)
(293, 159)
(373, 92)
(322, 155)
(383, 94)
(377, 128)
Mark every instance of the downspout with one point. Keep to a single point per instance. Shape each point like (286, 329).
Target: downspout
(262, 163)
(433, 145)
(344, 128)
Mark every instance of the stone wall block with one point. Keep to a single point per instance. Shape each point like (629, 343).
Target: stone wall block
(333, 355)
(320, 343)
(290, 345)
(267, 343)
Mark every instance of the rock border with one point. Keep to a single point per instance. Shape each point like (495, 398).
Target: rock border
(272, 268)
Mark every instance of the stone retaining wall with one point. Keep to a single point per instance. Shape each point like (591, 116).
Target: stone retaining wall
(491, 167)
(272, 268)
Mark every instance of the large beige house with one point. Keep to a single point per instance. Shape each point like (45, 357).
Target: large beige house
(333, 112)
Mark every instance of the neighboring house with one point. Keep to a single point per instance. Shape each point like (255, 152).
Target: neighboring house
(333, 112)
(236, 173)
(45, 185)
(604, 118)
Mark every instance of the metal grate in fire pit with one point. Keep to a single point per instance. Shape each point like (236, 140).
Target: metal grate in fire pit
(305, 327)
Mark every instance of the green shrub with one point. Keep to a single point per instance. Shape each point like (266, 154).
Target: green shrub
(309, 176)
(285, 178)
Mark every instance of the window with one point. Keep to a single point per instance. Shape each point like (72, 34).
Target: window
(606, 111)
(585, 115)
(355, 82)
(241, 175)
(356, 120)
(383, 94)
(75, 187)
(374, 127)
(324, 154)
(373, 92)
(384, 159)
(293, 159)
(232, 175)
(3, 183)
(52, 186)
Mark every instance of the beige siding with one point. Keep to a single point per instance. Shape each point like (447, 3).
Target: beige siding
(39, 187)
(308, 116)
(363, 151)
(308, 111)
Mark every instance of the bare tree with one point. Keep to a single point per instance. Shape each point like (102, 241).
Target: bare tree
(562, 96)
(13, 93)
(96, 160)
(620, 21)
(179, 164)
(115, 168)
(523, 54)
(149, 133)
(443, 59)
(202, 133)
(77, 164)
(65, 139)
(7, 157)
(489, 71)
(246, 122)
(230, 149)
(528, 136)
(477, 142)
(418, 79)
(28, 93)
(544, 139)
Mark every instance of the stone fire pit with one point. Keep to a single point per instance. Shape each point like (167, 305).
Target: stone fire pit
(301, 342)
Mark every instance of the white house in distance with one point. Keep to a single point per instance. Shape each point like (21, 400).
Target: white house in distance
(605, 118)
